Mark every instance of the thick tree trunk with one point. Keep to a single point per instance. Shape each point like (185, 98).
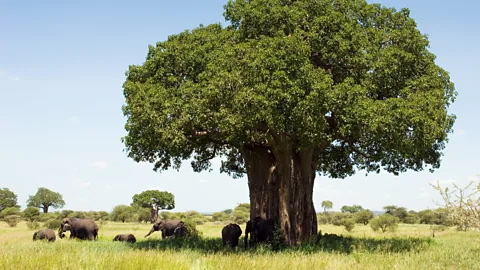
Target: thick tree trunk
(262, 183)
(153, 214)
(45, 208)
(281, 187)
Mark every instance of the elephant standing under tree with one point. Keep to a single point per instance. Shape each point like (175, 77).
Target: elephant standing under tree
(261, 230)
(230, 234)
(46, 234)
(81, 228)
(130, 238)
(169, 228)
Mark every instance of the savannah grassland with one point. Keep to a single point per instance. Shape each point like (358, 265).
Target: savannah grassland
(410, 247)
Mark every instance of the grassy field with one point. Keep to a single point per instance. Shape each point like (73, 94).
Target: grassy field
(411, 247)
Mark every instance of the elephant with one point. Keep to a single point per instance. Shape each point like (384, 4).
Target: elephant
(81, 228)
(261, 230)
(130, 238)
(46, 234)
(169, 228)
(230, 234)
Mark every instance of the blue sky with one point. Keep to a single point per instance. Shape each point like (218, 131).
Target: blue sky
(62, 67)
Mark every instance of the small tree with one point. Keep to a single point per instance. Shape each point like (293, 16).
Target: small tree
(155, 200)
(10, 211)
(363, 216)
(400, 212)
(385, 222)
(122, 213)
(12, 220)
(351, 209)
(349, 224)
(326, 205)
(462, 204)
(45, 198)
(31, 213)
(7, 199)
(143, 214)
(241, 213)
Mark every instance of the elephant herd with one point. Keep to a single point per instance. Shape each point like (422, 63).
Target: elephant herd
(260, 230)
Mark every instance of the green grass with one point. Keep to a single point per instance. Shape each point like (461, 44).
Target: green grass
(411, 247)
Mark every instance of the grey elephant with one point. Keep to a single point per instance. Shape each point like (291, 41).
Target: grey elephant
(46, 234)
(169, 228)
(230, 234)
(130, 238)
(261, 230)
(81, 228)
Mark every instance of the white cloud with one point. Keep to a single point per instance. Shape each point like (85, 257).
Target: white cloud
(351, 191)
(99, 164)
(107, 186)
(203, 180)
(386, 195)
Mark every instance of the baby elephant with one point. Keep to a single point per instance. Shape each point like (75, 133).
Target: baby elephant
(230, 234)
(130, 238)
(46, 234)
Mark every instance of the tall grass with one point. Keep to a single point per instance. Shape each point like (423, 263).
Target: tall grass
(411, 247)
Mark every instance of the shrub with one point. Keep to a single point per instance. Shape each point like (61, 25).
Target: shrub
(44, 217)
(53, 223)
(10, 211)
(337, 218)
(322, 219)
(12, 220)
(349, 224)
(31, 213)
(33, 225)
(192, 228)
(385, 222)
(364, 217)
(77, 214)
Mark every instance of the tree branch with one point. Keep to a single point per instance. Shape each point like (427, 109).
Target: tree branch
(214, 153)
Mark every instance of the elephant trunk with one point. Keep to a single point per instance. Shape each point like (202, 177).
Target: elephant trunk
(151, 231)
(246, 239)
(35, 236)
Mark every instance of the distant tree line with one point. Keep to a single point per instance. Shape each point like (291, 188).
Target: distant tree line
(147, 205)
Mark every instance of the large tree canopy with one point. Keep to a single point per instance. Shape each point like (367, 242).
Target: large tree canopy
(45, 198)
(287, 90)
(7, 198)
(154, 200)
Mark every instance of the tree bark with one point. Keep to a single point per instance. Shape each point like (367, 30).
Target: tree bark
(281, 183)
(153, 214)
(45, 208)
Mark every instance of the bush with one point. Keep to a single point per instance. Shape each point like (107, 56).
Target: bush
(10, 211)
(411, 219)
(77, 214)
(33, 225)
(349, 224)
(385, 222)
(364, 217)
(192, 228)
(31, 213)
(53, 223)
(12, 220)
(337, 218)
(44, 217)
(322, 219)
(221, 216)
